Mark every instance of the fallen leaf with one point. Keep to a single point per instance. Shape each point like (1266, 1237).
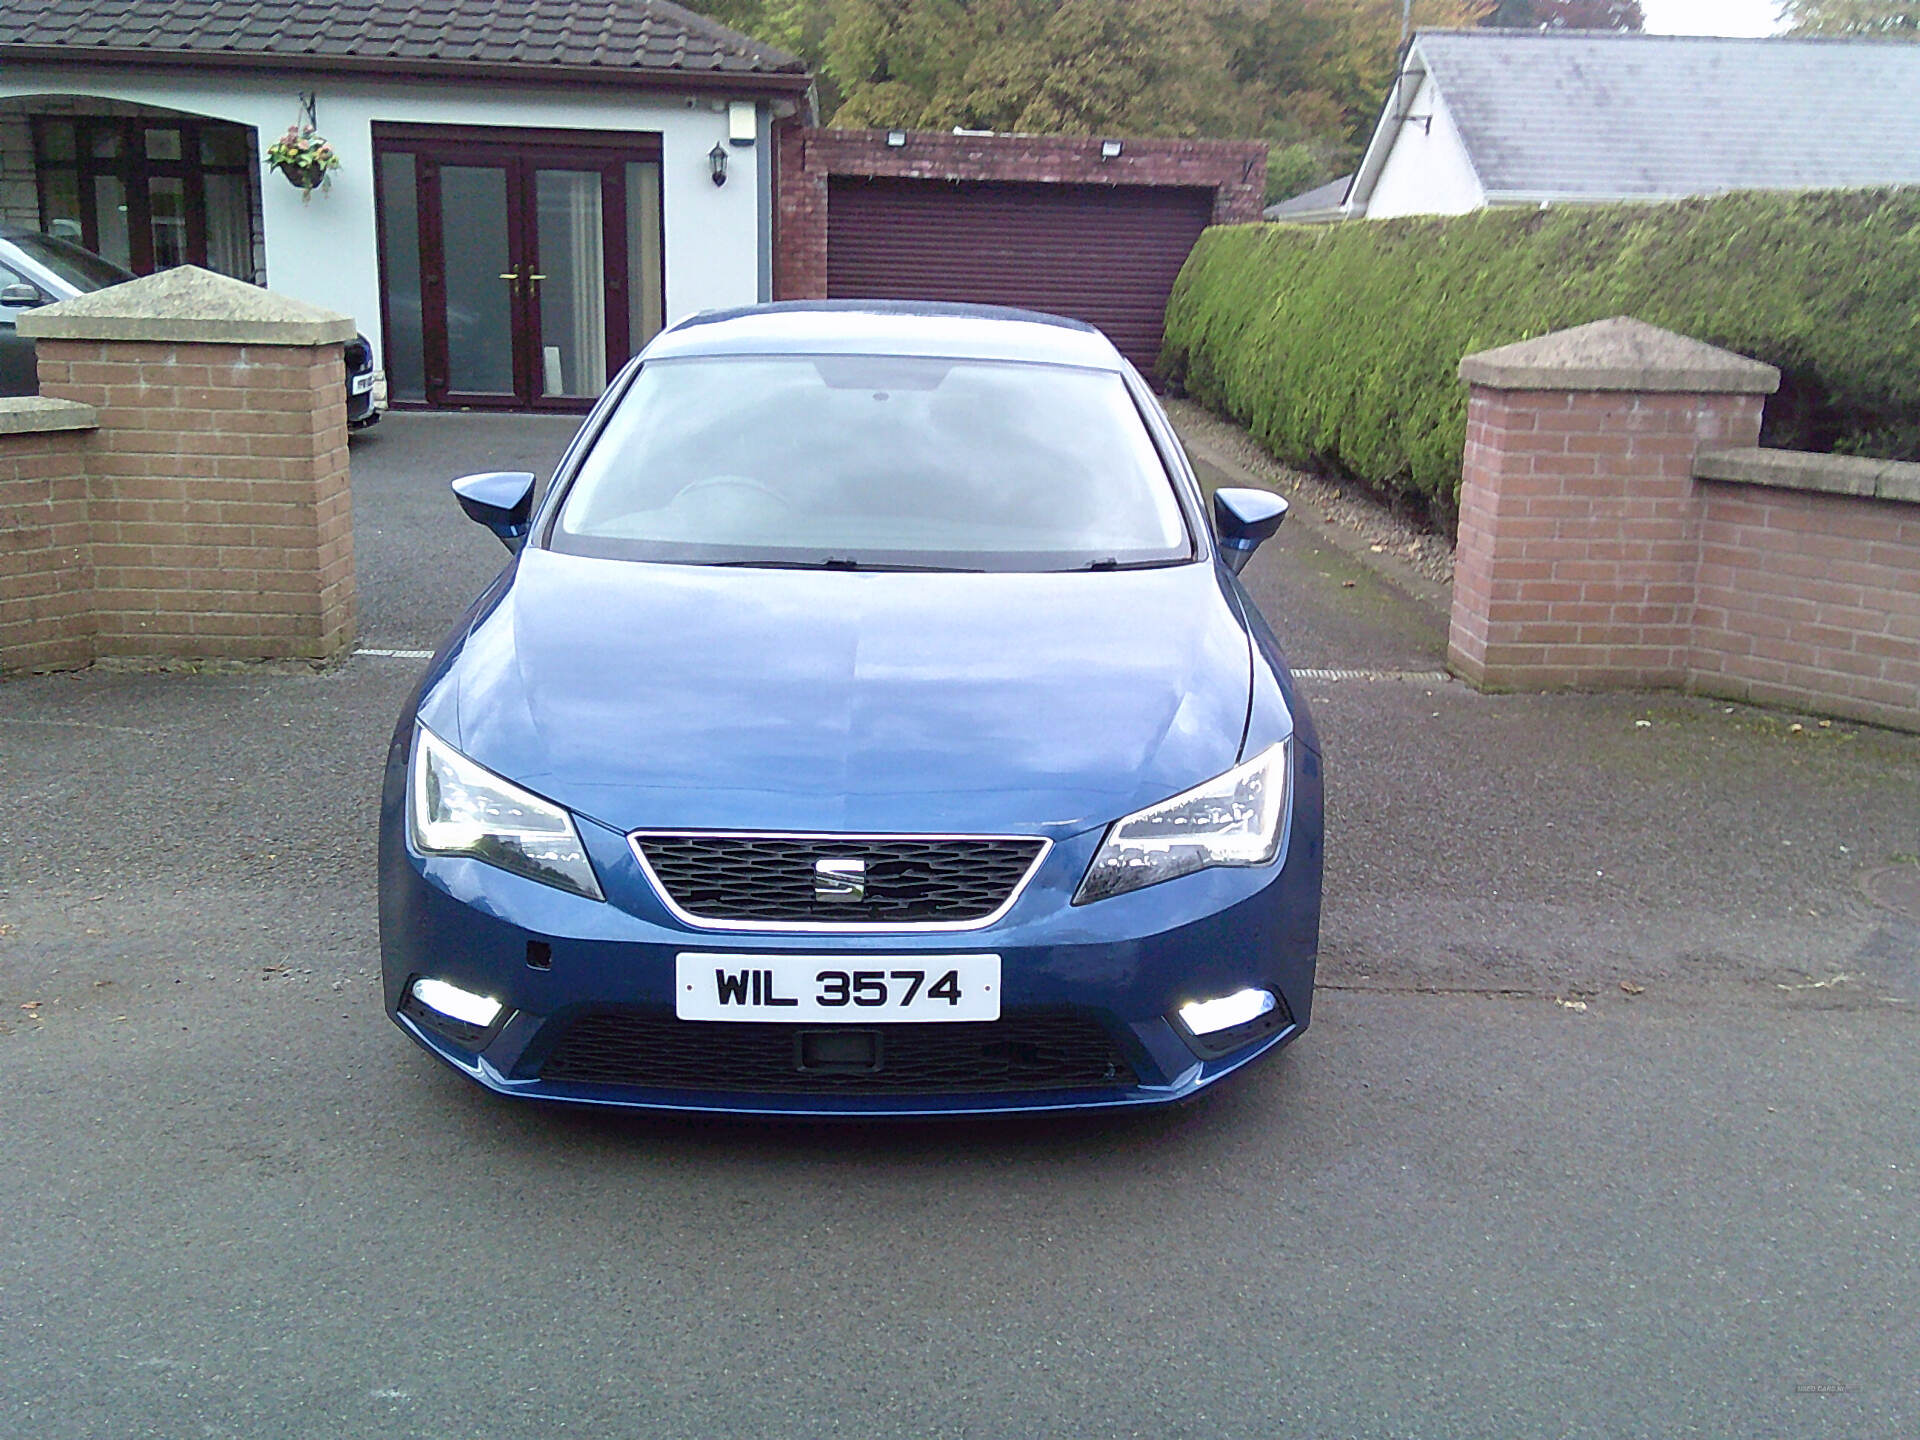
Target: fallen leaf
(1579, 1005)
(1633, 989)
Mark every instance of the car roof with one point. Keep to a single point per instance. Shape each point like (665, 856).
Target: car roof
(889, 327)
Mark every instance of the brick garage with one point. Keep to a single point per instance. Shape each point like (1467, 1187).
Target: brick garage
(179, 491)
(1046, 221)
(1621, 526)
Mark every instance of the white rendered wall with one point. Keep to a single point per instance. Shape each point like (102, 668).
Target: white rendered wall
(325, 251)
(1427, 171)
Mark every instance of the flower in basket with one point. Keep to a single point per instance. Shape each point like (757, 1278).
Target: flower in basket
(304, 158)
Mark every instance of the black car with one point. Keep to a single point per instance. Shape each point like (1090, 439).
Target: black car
(37, 269)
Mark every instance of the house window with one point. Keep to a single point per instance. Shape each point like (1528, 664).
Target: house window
(149, 192)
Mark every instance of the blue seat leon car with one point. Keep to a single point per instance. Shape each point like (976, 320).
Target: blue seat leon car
(869, 721)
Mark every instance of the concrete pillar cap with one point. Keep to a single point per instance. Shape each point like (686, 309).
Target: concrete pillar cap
(1619, 354)
(191, 305)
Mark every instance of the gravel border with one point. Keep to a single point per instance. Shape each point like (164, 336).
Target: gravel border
(1343, 505)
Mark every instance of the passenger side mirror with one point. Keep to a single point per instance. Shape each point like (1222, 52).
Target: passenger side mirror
(1243, 519)
(501, 500)
(21, 296)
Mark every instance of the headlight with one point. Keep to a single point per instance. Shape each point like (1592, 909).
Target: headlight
(460, 808)
(1233, 819)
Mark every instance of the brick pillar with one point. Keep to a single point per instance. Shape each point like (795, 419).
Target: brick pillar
(218, 502)
(46, 554)
(800, 218)
(1579, 522)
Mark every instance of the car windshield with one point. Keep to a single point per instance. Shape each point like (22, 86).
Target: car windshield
(875, 462)
(81, 269)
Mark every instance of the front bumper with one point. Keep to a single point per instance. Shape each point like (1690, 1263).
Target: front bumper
(1118, 968)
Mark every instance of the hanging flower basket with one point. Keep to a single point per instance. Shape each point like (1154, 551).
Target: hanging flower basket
(307, 161)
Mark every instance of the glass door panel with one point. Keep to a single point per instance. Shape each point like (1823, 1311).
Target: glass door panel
(646, 296)
(399, 189)
(110, 220)
(570, 282)
(229, 225)
(167, 203)
(480, 279)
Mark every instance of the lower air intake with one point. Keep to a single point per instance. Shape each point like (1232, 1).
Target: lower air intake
(655, 1052)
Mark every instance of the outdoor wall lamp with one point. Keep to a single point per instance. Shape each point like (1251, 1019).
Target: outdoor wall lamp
(717, 163)
(896, 138)
(1109, 149)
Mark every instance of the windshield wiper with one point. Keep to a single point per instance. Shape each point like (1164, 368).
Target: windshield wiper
(841, 562)
(1112, 563)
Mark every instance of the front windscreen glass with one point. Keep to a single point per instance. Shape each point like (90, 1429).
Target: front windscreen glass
(874, 462)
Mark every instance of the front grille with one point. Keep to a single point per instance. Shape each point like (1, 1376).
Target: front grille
(769, 879)
(658, 1052)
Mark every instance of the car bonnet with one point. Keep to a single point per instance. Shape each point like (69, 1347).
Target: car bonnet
(652, 695)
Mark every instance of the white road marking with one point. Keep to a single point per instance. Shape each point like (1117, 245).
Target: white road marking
(1416, 677)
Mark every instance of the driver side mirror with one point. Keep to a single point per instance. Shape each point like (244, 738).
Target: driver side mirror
(501, 500)
(21, 296)
(1243, 519)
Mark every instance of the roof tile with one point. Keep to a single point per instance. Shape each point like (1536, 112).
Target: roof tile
(612, 35)
(1601, 116)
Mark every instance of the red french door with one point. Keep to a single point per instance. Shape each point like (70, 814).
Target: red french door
(537, 270)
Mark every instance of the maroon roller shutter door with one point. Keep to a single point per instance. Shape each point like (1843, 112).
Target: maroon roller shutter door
(1106, 254)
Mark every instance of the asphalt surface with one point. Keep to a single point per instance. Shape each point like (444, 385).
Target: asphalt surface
(1606, 1124)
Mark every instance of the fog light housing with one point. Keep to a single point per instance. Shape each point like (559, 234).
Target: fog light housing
(1225, 1023)
(465, 1017)
(455, 1003)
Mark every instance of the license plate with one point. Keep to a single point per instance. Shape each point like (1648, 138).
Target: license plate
(361, 384)
(809, 989)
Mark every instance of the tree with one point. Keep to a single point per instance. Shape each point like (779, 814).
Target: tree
(1877, 19)
(1308, 76)
(1567, 15)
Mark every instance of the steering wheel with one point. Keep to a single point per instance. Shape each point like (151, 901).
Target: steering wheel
(734, 482)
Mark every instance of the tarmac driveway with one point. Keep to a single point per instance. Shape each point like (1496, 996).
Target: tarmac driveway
(1606, 1124)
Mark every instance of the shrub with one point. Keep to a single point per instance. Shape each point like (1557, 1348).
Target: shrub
(1337, 345)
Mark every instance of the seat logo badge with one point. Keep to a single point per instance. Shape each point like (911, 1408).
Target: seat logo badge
(840, 880)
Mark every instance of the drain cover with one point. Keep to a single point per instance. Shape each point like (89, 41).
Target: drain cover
(1897, 887)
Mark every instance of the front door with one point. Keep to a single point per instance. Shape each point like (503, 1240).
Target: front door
(516, 275)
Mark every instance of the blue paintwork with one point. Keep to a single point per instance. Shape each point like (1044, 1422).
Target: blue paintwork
(644, 695)
(501, 500)
(1245, 519)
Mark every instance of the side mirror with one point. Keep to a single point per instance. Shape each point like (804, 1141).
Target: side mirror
(501, 500)
(1244, 518)
(21, 296)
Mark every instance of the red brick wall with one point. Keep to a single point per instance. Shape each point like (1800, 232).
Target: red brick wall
(1579, 533)
(1236, 171)
(1809, 599)
(218, 502)
(46, 580)
(1590, 556)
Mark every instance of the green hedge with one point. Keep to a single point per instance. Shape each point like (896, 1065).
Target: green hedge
(1337, 345)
